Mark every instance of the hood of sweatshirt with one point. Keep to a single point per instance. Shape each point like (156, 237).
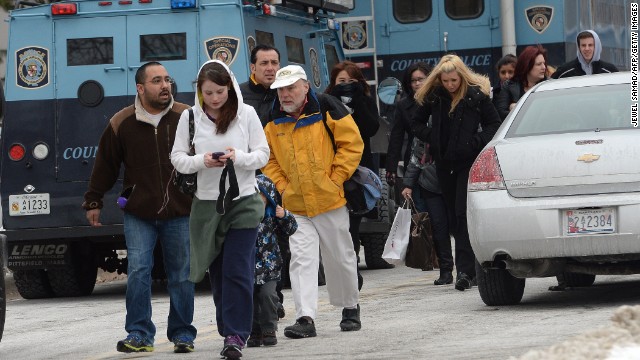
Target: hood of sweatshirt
(597, 50)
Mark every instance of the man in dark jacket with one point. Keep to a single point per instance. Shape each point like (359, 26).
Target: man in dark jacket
(588, 61)
(141, 137)
(265, 62)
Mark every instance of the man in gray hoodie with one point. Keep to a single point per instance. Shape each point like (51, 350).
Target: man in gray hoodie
(588, 61)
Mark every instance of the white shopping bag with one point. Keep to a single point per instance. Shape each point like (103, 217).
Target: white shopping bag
(395, 249)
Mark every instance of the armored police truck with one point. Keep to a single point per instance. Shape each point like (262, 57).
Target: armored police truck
(71, 66)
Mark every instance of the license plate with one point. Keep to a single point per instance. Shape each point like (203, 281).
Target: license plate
(29, 204)
(590, 221)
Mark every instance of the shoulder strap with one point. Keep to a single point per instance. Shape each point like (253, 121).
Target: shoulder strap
(333, 140)
(191, 131)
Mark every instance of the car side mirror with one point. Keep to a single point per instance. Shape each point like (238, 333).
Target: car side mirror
(390, 90)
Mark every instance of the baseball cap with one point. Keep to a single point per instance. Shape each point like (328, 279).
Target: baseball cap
(288, 75)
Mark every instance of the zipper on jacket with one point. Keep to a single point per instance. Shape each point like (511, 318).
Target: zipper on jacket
(155, 130)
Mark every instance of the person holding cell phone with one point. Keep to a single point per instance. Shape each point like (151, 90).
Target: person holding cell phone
(227, 133)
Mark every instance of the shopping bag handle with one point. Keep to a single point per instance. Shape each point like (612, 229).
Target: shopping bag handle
(412, 205)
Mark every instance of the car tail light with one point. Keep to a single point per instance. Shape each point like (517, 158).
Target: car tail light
(64, 9)
(485, 172)
(16, 152)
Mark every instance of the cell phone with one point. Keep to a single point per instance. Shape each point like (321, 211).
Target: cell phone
(217, 154)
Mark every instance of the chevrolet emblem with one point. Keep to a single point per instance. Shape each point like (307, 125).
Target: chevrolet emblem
(588, 158)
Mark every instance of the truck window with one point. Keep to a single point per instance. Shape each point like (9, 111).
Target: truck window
(331, 55)
(90, 51)
(463, 9)
(412, 11)
(265, 38)
(161, 47)
(295, 50)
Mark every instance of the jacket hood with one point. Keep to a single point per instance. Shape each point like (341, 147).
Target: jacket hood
(268, 189)
(198, 96)
(596, 51)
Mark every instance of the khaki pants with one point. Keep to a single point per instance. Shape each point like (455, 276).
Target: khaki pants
(328, 233)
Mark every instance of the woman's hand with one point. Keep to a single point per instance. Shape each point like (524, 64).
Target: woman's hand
(229, 154)
(511, 106)
(211, 161)
(406, 193)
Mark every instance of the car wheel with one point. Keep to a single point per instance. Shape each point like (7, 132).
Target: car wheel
(498, 286)
(578, 280)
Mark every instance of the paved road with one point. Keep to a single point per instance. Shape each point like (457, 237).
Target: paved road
(403, 315)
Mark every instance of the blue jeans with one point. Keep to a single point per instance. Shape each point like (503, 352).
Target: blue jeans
(141, 236)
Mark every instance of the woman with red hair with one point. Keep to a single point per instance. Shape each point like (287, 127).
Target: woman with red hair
(531, 68)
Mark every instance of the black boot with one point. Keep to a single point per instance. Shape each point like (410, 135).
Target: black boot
(445, 277)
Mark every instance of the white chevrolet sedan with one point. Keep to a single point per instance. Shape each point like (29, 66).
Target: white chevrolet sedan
(557, 190)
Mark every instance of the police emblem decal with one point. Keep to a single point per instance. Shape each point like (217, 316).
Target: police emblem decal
(32, 71)
(222, 48)
(539, 17)
(315, 67)
(354, 35)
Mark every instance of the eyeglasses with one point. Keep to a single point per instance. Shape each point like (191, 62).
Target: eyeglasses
(418, 80)
(159, 80)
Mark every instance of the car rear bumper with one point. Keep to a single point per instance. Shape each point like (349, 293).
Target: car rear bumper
(533, 228)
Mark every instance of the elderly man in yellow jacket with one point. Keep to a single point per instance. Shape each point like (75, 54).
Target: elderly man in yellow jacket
(309, 174)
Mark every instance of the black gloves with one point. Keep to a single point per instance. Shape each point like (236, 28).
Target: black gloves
(347, 92)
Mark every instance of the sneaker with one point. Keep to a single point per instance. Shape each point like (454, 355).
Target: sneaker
(255, 340)
(269, 338)
(182, 344)
(301, 329)
(232, 349)
(280, 309)
(134, 343)
(464, 282)
(350, 319)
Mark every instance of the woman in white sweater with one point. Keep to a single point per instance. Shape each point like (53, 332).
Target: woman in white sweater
(227, 133)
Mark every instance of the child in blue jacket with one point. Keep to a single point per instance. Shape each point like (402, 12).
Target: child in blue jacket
(277, 222)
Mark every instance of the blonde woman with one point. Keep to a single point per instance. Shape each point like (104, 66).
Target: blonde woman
(463, 120)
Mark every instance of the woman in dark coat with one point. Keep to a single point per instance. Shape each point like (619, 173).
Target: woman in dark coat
(413, 78)
(463, 121)
(347, 83)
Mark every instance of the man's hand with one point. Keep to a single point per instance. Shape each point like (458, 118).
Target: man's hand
(93, 216)
(279, 212)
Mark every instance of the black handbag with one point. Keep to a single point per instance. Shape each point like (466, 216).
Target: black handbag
(188, 183)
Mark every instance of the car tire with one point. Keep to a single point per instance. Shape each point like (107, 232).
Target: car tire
(498, 286)
(32, 284)
(572, 279)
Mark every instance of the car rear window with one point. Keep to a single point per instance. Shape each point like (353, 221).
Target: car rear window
(593, 108)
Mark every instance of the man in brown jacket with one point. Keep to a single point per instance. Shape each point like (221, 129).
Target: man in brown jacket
(141, 137)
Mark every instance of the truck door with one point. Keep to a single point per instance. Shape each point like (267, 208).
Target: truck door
(467, 28)
(96, 63)
(91, 78)
(408, 32)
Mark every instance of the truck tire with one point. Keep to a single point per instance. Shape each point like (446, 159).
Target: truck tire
(3, 299)
(32, 284)
(77, 278)
(3, 288)
(498, 286)
(373, 247)
(579, 280)
(373, 242)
